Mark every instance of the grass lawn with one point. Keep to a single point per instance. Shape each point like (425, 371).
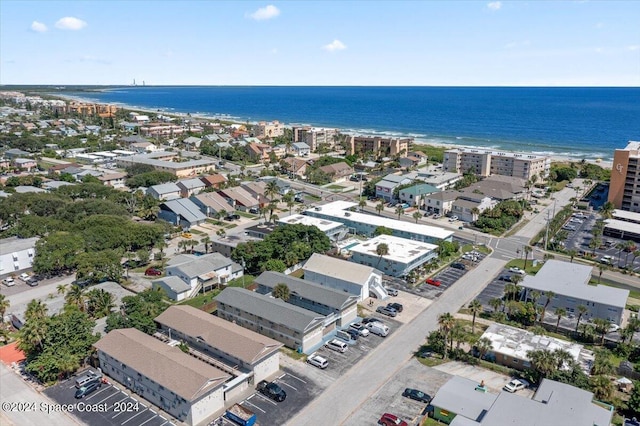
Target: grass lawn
(197, 232)
(334, 187)
(214, 222)
(428, 421)
(247, 215)
(239, 282)
(431, 361)
(230, 225)
(298, 274)
(519, 263)
(201, 299)
(293, 354)
(312, 197)
(469, 247)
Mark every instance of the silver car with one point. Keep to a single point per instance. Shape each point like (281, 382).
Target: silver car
(317, 361)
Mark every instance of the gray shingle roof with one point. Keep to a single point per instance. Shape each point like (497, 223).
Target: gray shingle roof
(185, 208)
(459, 396)
(165, 188)
(308, 290)
(338, 268)
(166, 365)
(174, 283)
(271, 309)
(202, 265)
(226, 336)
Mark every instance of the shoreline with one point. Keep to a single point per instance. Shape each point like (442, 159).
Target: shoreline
(606, 163)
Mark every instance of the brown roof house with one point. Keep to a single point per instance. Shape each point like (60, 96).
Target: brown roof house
(216, 180)
(180, 384)
(338, 171)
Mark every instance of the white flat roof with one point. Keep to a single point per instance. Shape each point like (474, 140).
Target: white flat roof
(626, 215)
(337, 209)
(518, 155)
(322, 224)
(623, 225)
(401, 250)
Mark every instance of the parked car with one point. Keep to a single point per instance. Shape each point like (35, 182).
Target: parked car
(391, 291)
(389, 419)
(569, 228)
(370, 320)
(360, 329)
(390, 312)
(416, 395)
(353, 333)
(378, 328)
(433, 281)
(271, 390)
(453, 218)
(397, 306)
(607, 260)
(336, 345)
(153, 272)
(317, 361)
(88, 389)
(458, 265)
(254, 210)
(506, 278)
(32, 282)
(437, 216)
(517, 270)
(24, 276)
(516, 385)
(613, 328)
(231, 217)
(9, 282)
(186, 235)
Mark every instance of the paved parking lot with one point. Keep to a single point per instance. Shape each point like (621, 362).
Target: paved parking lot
(300, 392)
(495, 289)
(115, 406)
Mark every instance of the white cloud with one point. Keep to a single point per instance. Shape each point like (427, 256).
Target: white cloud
(334, 46)
(494, 5)
(70, 23)
(634, 47)
(265, 13)
(38, 27)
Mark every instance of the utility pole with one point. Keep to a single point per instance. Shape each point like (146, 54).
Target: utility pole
(546, 234)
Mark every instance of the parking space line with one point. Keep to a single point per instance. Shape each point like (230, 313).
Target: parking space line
(297, 378)
(97, 393)
(134, 416)
(265, 398)
(148, 420)
(115, 394)
(283, 383)
(253, 405)
(280, 377)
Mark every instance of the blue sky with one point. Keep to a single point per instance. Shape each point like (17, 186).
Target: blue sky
(430, 43)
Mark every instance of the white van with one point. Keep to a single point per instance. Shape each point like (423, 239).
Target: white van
(378, 328)
(89, 377)
(336, 345)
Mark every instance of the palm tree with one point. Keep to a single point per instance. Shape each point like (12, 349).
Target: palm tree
(629, 247)
(602, 326)
(32, 334)
(534, 295)
(380, 207)
(635, 254)
(289, 200)
(620, 247)
(362, 204)
(495, 303)
(543, 362)
(563, 358)
(538, 330)
(416, 215)
(560, 312)
(549, 295)
(206, 240)
(602, 363)
(601, 269)
(606, 211)
(483, 345)
(572, 253)
(446, 322)
(35, 310)
(99, 302)
(399, 210)
(510, 290)
(4, 305)
(602, 388)
(475, 307)
(271, 189)
(581, 311)
(527, 250)
(61, 288)
(457, 334)
(76, 297)
(382, 250)
(281, 291)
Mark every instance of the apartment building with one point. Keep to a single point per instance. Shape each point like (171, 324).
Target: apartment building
(315, 136)
(268, 129)
(624, 188)
(383, 147)
(485, 163)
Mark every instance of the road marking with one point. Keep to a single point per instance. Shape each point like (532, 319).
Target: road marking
(115, 394)
(97, 393)
(254, 406)
(297, 378)
(280, 377)
(265, 398)
(283, 383)
(148, 420)
(134, 416)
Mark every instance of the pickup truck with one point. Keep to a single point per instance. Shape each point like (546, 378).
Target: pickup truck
(240, 415)
(271, 390)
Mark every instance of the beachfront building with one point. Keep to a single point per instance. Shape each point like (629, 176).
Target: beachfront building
(510, 345)
(334, 230)
(346, 276)
(570, 284)
(334, 304)
(165, 161)
(366, 224)
(623, 224)
(404, 255)
(378, 146)
(485, 162)
(180, 384)
(268, 129)
(315, 137)
(624, 188)
(297, 328)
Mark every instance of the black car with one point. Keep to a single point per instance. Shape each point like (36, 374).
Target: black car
(32, 282)
(397, 306)
(272, 390)
(458, 265)
(417, 395)
(87, 389)
(353, 333)
(506, 278)
(370, 319)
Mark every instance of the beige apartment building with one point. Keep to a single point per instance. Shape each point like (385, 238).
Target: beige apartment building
(268, 129)
(624, 188)
(384, 147)
(314, 136)
(485, 163)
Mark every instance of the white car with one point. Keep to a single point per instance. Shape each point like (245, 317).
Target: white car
(453, 218)
(317, 361)
(516, 270)
(24, 276)
(360, 328)
(391, 291)
(613, 328)
(516, 385)
(9, 282)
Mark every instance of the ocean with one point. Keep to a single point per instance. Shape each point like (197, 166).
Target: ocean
(574, 122)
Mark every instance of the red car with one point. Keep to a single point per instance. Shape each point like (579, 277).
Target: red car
(388, 419)
(153, 272)
(433, 282)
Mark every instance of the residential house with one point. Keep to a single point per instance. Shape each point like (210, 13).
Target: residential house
(52, 185)
(239, 351)
(414, 195)
(258, 153)
(300, 149)
(212, 204)
(192, 142)
(14, 153)
(142, 147)
(114, 180)
(469, 205)
(24, 189)
(203, 272)
(434, 176)
(298, 328)
(342, 275)
(26, 164)
(462, 397)
(409, 161)
(338, 171)
(338, 307)
(215, 180)
(189, 187)
(256, 189)
(403, 255)
(440, 202)
(570, 284)
(386, 186)
(183, 386)
(174, 287)
(181, 212)
(164, 191)
(295, 166)
(240, 198)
